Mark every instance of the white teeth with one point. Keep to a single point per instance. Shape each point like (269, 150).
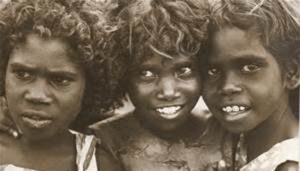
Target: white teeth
(234, 108)
(168, 110)
(228, 109)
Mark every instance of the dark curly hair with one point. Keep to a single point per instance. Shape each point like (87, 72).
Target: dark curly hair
(269, 19)
(166, 27)
(80, 23)
(275, 22)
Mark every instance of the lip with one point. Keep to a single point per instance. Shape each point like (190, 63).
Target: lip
(37, 120)
(232, 114)
(169, 111)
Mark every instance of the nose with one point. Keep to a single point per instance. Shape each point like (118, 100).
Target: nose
(38, 93)
(231, 85)
(168, 90)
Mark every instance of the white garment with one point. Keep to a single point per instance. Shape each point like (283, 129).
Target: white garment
(86, 148)
(287, 150)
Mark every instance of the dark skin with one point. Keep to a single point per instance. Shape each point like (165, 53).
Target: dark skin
(56, 143)
(106, 161)
(64, 153)
(237, 70)
(31, 91)
(164, 91)
(288, 166)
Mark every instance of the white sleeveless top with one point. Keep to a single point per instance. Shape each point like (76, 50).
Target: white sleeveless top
(85, 150)
(284, 151)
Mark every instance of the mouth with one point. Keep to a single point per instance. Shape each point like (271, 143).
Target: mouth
(36, 120)
(169, 112)
(234, 112)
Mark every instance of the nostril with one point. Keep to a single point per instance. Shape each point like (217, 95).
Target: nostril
(37, 97)
(167, 89)
(230, 89)
(231, 84)
(168, 95)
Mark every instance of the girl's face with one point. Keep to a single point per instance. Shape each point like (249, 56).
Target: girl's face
(164, 91)
(243, 84)
(43, 87)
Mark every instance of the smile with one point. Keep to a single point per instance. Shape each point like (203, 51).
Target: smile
(234, 109)
(169, 112)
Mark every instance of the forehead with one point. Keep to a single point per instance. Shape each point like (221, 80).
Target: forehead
(37, 51)
(165, 59)
(35, 42)
(234, 42)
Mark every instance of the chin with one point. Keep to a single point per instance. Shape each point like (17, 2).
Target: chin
(236, 129)
(164, 127)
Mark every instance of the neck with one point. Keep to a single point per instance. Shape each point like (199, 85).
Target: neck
(274, 130)
(189, 130)
(61, 138)
(55, 153)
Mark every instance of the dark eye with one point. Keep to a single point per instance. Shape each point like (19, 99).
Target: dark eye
(23, 74)
(184, 72)
(147, 75)
(250, 68)
(213, 72)
(61, 81)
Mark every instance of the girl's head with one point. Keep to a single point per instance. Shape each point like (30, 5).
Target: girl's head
(158, 42)
(252, 62)
(50, 73)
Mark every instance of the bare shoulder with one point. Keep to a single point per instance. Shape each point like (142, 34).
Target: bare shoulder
(106, 160)
(288, 166)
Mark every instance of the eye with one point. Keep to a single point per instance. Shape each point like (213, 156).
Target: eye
(250, 68)
(213, 72)
(22, 74)
(184, 72)
(61, 80)
(147, 74)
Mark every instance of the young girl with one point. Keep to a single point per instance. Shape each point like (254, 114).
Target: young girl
(51, 78)
(157, 47)
(252, 64)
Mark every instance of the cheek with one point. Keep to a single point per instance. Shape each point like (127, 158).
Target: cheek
(268, 90)
(71, 101)
(13, 91)
(194, 87)
(140, 92)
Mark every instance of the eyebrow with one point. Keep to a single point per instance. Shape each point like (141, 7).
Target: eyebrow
(53, 72)
(183, 63)
(245, 59)
(17, 65)
(251, 58)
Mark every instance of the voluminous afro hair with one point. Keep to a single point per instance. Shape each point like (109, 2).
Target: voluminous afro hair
(166, 27)
(82, 24)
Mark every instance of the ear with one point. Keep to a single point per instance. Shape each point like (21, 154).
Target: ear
(292, 75)
(3, 105)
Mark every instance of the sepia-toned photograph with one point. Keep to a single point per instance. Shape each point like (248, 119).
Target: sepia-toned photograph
(149, 85)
